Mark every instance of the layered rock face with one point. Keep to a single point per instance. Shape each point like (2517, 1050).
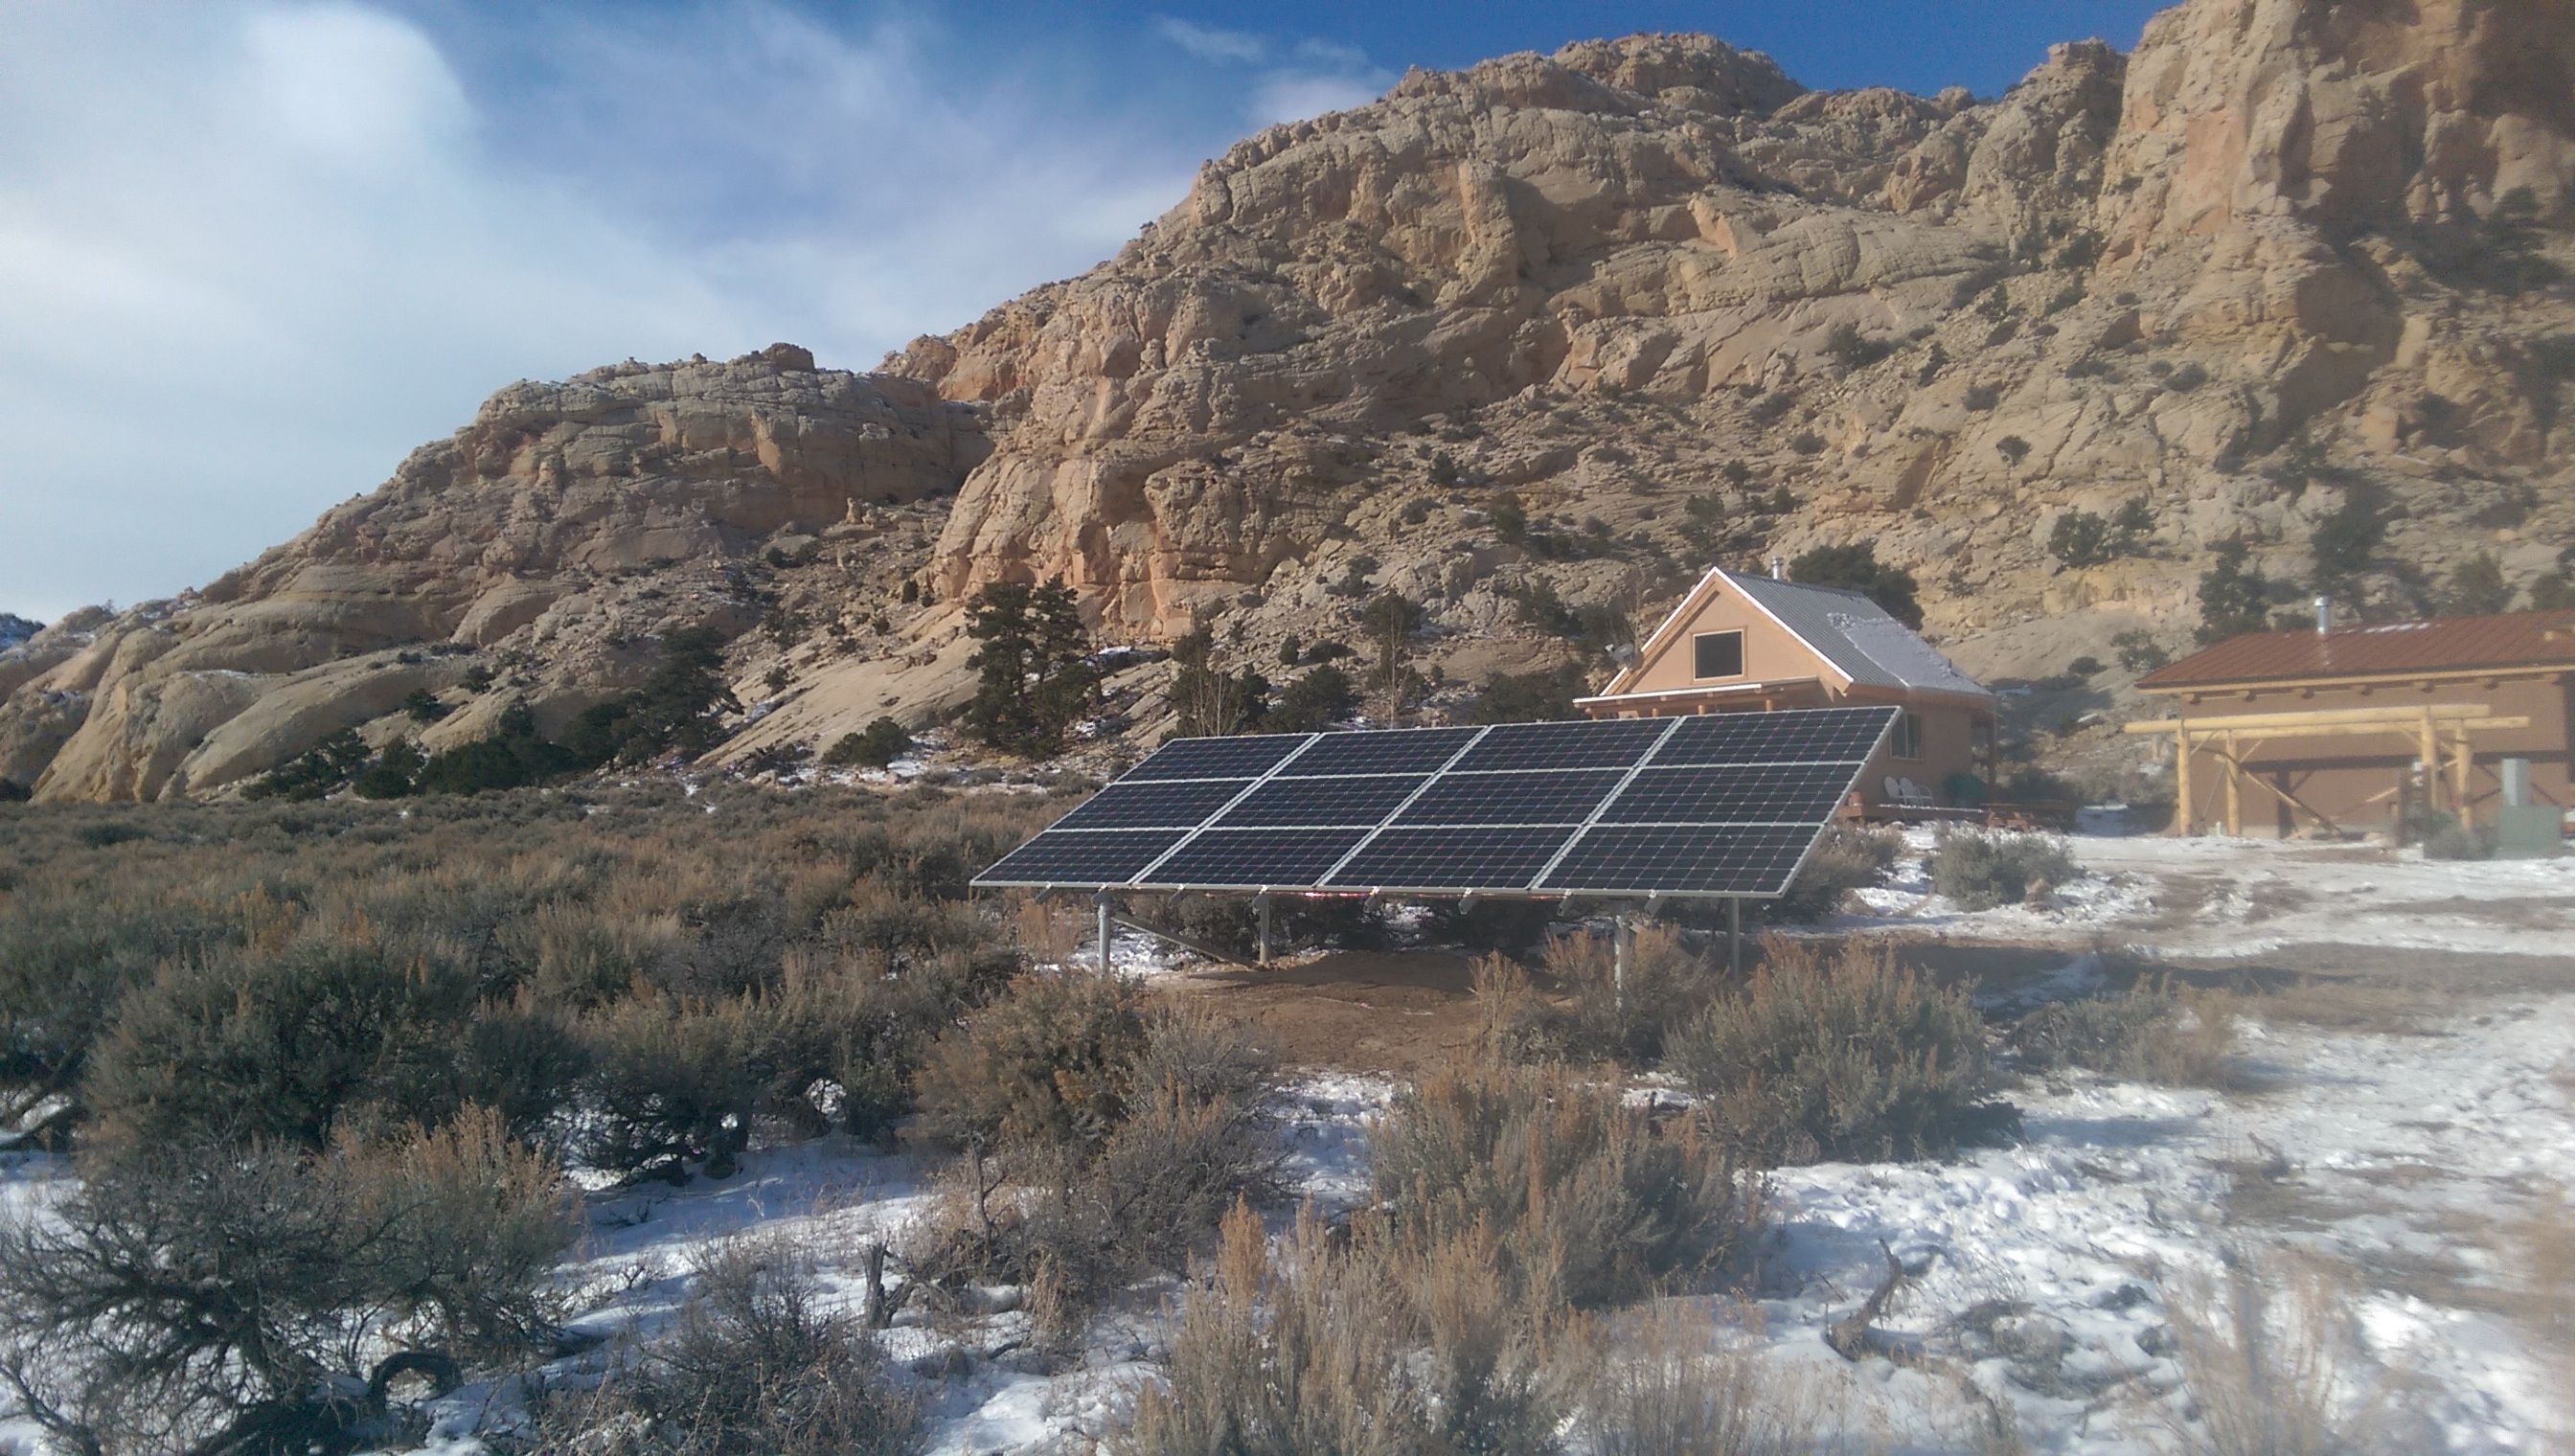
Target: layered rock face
(1567, 328)
(1618, 272)
(543, 544)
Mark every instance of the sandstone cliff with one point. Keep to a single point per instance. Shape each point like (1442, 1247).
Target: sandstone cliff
(531, 557)
(2287, 262)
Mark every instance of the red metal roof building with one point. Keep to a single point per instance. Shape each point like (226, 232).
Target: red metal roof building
(2350, 726)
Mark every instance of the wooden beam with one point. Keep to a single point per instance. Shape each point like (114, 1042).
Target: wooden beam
(2407, 728)
(2234, 791)
(2317, 718)
(2186, 822)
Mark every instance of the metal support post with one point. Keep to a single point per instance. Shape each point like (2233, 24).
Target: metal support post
(1261, 903)
(1735, 936)
(1622, 938)
(1101, 901)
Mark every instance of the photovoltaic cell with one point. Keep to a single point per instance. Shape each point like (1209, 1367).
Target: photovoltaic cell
(1413, 751)
(1804, 791)
(1361, 803)
(1250, 858)
(1249, 756)
(1128, 805)
(1705, 860)
(1452, 858)
(1082, 856)
(1823, 733)
(1512, 798)
(1716, 804)
(1614, 744)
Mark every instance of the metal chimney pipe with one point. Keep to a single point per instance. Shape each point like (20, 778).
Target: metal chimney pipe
(2324, 616)
(1778, 568)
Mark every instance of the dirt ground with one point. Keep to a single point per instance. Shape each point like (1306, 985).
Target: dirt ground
(1355, 1010)
(1396, 1013)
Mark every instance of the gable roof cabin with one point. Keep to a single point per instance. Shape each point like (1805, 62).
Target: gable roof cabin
(2350, 726)
(1842, 645)
(1743, 643)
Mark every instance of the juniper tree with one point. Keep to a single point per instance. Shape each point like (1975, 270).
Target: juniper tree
(1036, 675)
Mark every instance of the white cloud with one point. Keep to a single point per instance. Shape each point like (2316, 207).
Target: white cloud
(1208, 43)
(1298, 82)
(253, 251)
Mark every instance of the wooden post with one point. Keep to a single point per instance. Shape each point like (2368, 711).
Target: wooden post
(2463, 761)
(2234, 791)
(2430, 749)
(1622, 937)
(2186, 822)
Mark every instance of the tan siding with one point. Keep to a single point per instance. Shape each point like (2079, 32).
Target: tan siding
(2354, 781)
(1769, 650)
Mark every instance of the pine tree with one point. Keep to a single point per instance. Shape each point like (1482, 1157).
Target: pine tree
(1036, 675)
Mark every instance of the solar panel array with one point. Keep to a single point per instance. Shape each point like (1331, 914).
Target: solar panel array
(1722, 805)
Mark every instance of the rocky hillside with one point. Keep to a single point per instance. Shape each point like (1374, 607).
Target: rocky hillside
(2292, 275)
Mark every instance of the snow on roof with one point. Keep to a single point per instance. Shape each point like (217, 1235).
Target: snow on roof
(1856, 635)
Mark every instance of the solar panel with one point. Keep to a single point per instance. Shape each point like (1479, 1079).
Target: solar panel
(1240, 758)
(1250, 858)
(1733, 793)
(1416, 751)
(1815, 734)
(1684, 859)
(1455, 858)
(1176, 804)
(1082, 856)
(1724, 805)
(1526, 746)
(1362, 803)
(1514, 799)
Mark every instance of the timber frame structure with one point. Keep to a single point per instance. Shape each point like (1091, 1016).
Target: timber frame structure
(2375, 725)
(2440, 735)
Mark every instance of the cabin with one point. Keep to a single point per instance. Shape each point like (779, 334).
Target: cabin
(1740, 643)
(2352, 728)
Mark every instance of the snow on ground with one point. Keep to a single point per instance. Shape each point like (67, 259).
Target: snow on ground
(2212, 897)
(2402, 1160)
(2039, 1271)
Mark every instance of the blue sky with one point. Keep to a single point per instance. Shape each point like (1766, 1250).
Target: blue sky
(253, 251)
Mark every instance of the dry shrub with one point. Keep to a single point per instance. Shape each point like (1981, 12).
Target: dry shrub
(2151, 1035)
(291, 1267)
(1625, 1020)
(1355, 1343)
(2272, 1366)
(1844, 859)
(1587, 1200)
(284, 1046)
(1852, 1058)
(275, 971)
(1681, 1384)
(752, 1364)
(1106, 1136)
(1979, 872)
(1045, 1063)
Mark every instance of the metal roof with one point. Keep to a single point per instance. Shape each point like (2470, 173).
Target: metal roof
(1858, 637)
(2387, 648)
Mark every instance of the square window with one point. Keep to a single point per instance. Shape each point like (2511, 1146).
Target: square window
(1720, 653)
(1908, 737)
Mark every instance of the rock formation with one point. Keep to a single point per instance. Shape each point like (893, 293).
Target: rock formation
(1575, 323)
(539, 549)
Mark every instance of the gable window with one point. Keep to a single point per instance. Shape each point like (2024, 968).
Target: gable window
(1908, 739)
(1717, 653)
